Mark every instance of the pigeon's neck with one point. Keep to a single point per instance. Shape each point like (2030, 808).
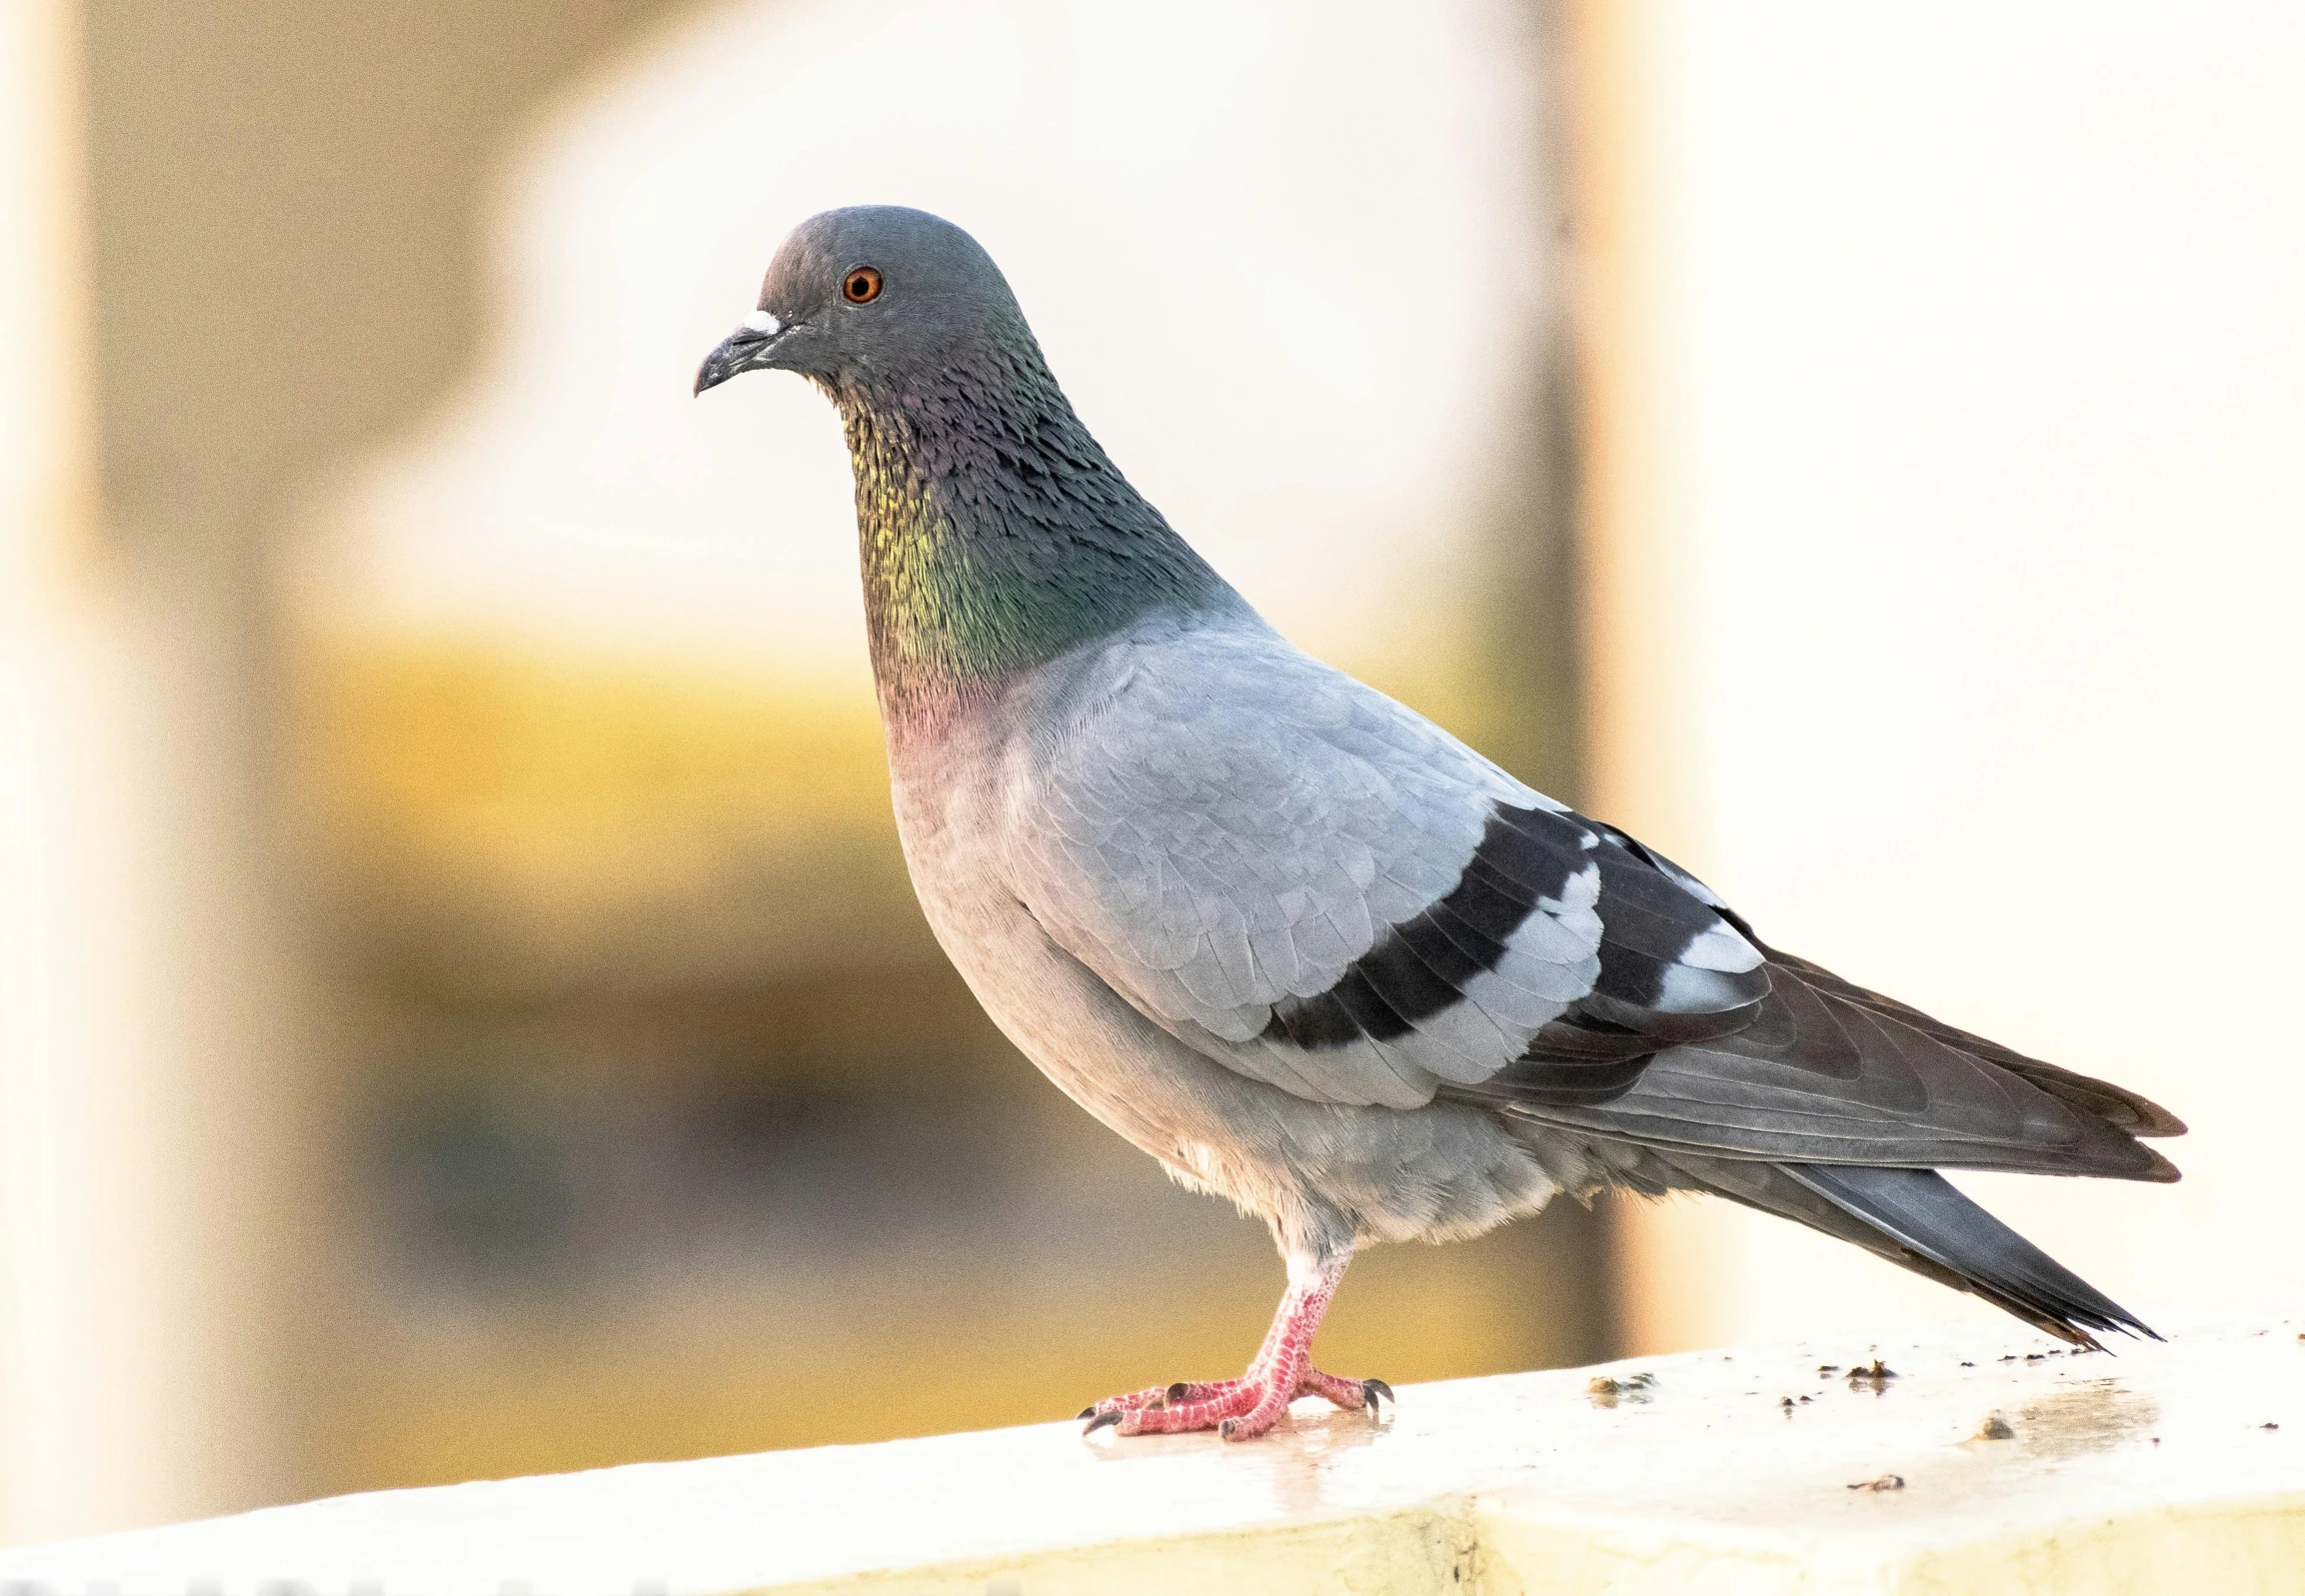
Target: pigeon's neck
(994, 533)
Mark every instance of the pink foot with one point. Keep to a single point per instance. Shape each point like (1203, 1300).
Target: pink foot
(1237, 1409)
(1252, 1404)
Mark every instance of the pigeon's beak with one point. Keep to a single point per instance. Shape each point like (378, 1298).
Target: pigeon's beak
(746, 349)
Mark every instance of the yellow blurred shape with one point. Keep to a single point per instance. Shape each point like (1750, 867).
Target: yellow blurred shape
(574, 767)
(601, 1395)
(471, 786)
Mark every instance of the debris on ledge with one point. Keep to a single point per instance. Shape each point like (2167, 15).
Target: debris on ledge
(2166, 1467)
(1606, 1391)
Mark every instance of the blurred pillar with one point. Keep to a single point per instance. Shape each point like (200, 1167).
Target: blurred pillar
(137, 1301)
(1638, 733)
(1634, 565)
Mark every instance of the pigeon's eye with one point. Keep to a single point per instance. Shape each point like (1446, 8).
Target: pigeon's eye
(862, 286)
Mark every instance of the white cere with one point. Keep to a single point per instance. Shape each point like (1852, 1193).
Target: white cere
(762, 322)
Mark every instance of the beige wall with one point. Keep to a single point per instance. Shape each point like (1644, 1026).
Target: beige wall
(1946, 374)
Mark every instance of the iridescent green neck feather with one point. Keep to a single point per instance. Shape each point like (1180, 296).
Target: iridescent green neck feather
(996, 535)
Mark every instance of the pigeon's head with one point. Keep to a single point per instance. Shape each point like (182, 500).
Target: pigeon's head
(872, 289)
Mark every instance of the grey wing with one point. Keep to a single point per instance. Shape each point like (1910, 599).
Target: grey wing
(1825, 1073)
(1321, 890)
(1820, 1077)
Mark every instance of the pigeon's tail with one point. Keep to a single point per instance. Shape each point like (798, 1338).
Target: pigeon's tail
(1923, 1212)
(1918, 1219)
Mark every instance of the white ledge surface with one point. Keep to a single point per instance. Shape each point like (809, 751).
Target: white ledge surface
(2165, 1468)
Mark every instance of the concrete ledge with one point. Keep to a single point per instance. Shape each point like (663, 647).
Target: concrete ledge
(2167, 1468)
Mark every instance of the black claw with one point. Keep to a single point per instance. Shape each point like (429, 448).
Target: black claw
(1109, 1416)
(1371, 1390)
(1225, 1429)
(1087, 1411)
(1177, 1392)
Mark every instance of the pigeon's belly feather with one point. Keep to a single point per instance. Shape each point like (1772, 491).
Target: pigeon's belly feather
(1320, 1173)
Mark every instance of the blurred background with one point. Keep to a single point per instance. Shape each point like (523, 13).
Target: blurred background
(462, 1012)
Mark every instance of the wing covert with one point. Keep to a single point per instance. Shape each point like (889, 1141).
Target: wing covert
(1321, 890)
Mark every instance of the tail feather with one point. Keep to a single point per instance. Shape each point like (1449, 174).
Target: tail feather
(1924, 1212)
(1915, 1218)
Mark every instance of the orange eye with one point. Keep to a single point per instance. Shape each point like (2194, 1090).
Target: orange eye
(862, 286)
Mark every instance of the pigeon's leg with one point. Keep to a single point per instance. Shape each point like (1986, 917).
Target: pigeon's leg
(1252, 1404)
(1277, 1375)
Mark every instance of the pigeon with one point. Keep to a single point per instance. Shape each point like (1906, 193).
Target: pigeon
(1305, 948)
